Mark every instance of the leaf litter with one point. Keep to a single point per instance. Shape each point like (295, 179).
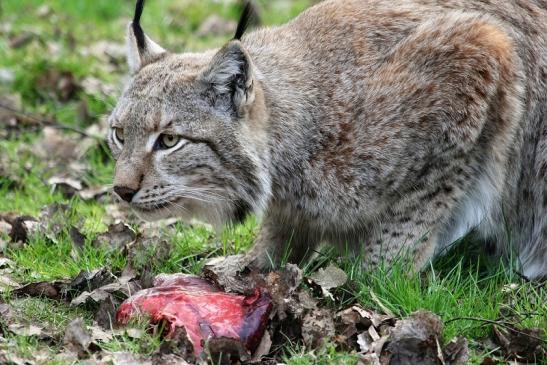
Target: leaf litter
(300, 308)
(379, 339)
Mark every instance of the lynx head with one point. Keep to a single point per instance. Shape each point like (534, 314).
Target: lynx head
(188, 133)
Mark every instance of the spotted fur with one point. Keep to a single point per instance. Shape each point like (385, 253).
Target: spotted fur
(392, 127)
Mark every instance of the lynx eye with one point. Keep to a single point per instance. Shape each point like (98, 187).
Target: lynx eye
(118, 135)
(166, 141)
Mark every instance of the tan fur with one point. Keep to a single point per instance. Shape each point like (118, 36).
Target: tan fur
(391, 127)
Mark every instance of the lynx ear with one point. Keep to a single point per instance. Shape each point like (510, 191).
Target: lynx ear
(140, 49)
(230, 75)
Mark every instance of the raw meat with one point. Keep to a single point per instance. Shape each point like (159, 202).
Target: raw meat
(202, 309)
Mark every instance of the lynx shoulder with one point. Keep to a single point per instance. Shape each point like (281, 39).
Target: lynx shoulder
(395, 128)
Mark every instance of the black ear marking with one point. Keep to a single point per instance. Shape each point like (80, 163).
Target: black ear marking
(247, 17)
(137, 30)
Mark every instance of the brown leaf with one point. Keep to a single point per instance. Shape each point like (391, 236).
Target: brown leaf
(317, 328)
(456, 352)
(93, 193)
(89, 281)
(21, 40)
(329, 278)
(7, 283)
(226, 351)
(178, 344)
(488, 361)
(414, 340)
(106, 313)
(263, 348)
(368, 359)
(56, 146)
(521, 344)
(62, 84)
(66, 185)
(120, 288)
(78, 339)
(78, 239)
(51, 290)
(226, 272)
(23, 227)
(25, 330)
(116, 237)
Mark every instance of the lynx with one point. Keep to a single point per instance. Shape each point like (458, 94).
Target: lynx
(390, 127)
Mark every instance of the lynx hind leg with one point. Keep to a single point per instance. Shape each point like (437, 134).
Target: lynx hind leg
(409, 237)
(533, 248)
(469, 130)
(279, 242)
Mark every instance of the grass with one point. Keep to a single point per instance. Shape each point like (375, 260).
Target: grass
(461, 285)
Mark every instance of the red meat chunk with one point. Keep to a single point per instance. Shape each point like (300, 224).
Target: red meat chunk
(202, 309)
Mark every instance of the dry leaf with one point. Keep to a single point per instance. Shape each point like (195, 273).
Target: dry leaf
(78, 339)
(329, 278)
(116, 237)
(414, 340)
(317, 328)
(263, 348)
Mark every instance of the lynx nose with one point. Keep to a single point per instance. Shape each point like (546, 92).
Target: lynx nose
(125, 192)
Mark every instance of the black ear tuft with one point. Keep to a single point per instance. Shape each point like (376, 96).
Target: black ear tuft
(137, 30)
(247, 16)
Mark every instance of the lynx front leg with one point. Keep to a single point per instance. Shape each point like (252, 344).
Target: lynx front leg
(278, 241)
(422, 223)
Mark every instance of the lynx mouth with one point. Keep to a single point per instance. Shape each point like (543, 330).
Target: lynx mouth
(155, 211)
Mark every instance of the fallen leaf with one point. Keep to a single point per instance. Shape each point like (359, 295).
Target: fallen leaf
(56, 146)
(67, 185)
(263, 348)
(21, 40)
(178, 344)
(89, 281)
(488, 361)
(364, 342)
(99, 334)
(78, 241)
(51, 290)
(524, 344)
(25, 330)
(108, 52)
(7, 283)
(329, 278)
(226, 273)
(61, 84)
(225, 351)
(5, 228)
(369, 359)
(6, 263)
(106, 312)
(78, 339)
(43, 11)
(414, 340)
(456, 352)
(116, 237)
(93, 192)
(22, 228)
(317, 327)
(121, 288)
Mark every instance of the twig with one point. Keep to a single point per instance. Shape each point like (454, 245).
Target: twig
(496, 323)
(50, 123)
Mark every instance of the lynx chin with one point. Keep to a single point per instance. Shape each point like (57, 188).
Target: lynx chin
(392, 127)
